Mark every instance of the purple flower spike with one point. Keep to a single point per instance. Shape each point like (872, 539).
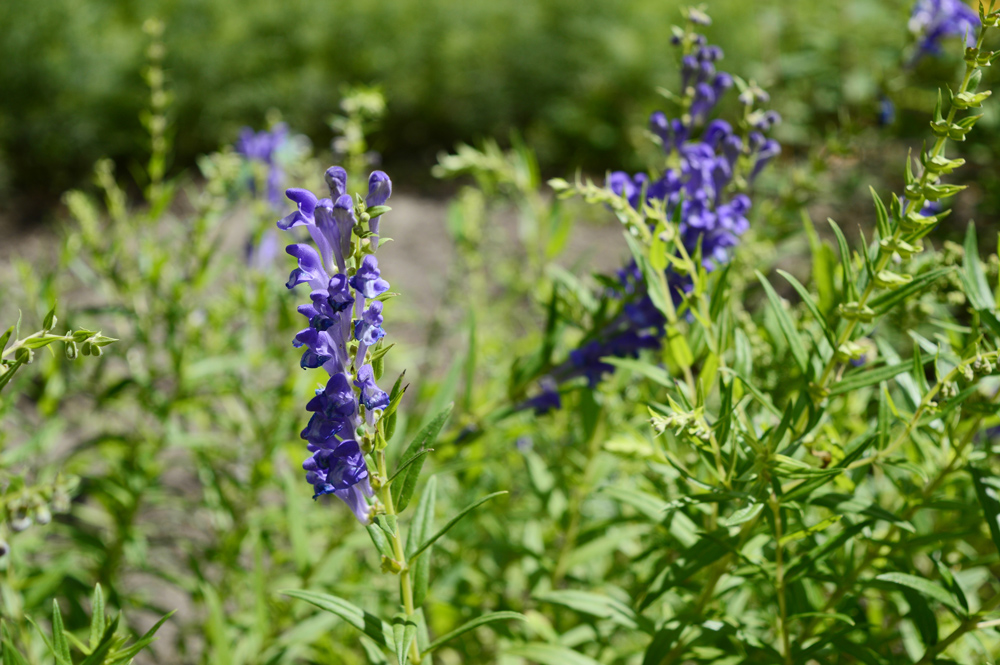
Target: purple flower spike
(367, 281)
(371, 395)
(336, 464)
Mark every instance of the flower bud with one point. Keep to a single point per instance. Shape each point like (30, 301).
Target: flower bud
(72, 350)
(43, 515)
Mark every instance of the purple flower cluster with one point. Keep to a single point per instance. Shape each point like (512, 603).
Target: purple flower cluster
(263, 147)
(343, 314)
(934, 20)
(696, 188)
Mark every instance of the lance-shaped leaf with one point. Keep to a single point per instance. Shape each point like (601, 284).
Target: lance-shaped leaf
(104, 644)
(925, 587)
(475, 623)
(786, 325)
(918, 285)
(550, 654)
(973, 277)
(404, 631)
(367, 623)
(849, 292)
(861, 379)
(403, 488)
(420, 529)
(988, 493)
(452, 522)
(96, 616)
(811, 305)
(597, 605)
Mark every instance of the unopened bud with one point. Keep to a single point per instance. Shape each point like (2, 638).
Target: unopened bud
(72, 350)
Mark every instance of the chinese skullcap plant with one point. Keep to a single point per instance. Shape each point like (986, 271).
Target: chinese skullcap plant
(819, 479)
(697, 198)
(352, 418)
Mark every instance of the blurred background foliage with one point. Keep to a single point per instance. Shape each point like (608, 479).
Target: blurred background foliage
(576, 78)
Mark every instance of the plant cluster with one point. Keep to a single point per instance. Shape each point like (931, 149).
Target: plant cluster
(744, 445)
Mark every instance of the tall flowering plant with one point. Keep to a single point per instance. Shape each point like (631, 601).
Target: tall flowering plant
(696, 202)
(353, 419)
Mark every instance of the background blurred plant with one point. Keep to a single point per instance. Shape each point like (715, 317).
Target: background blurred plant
(574, 78)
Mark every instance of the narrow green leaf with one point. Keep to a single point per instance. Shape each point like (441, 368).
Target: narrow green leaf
(811, 305)
(918, 370)
(651, 506)
(949, 582)
(594, 604)
(861, 379)
(403, 491)
(372, 652)
(367, 623)
(854, 452)
(60, 646)
(884, 230)
(126, 655)
(453, 521)
(885, 302)
(379, 540)
(9, 374)
(786, 325)
(4, 338)
(474, 623)
(404, 631)
(97, 616)
(404, 465)
(988, 493)
(923, 586)
(823, 615)
(979, 295)
(420, 529)
(884, 416)
(849, 292)
(550, 654)
(808, 531)
(753, 391)
(104, 644)
(742, 515)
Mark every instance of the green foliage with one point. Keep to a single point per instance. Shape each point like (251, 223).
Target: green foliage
(807, 471)
(574, 77)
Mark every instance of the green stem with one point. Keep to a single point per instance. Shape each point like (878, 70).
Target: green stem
(405, 584)
(786, 646)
